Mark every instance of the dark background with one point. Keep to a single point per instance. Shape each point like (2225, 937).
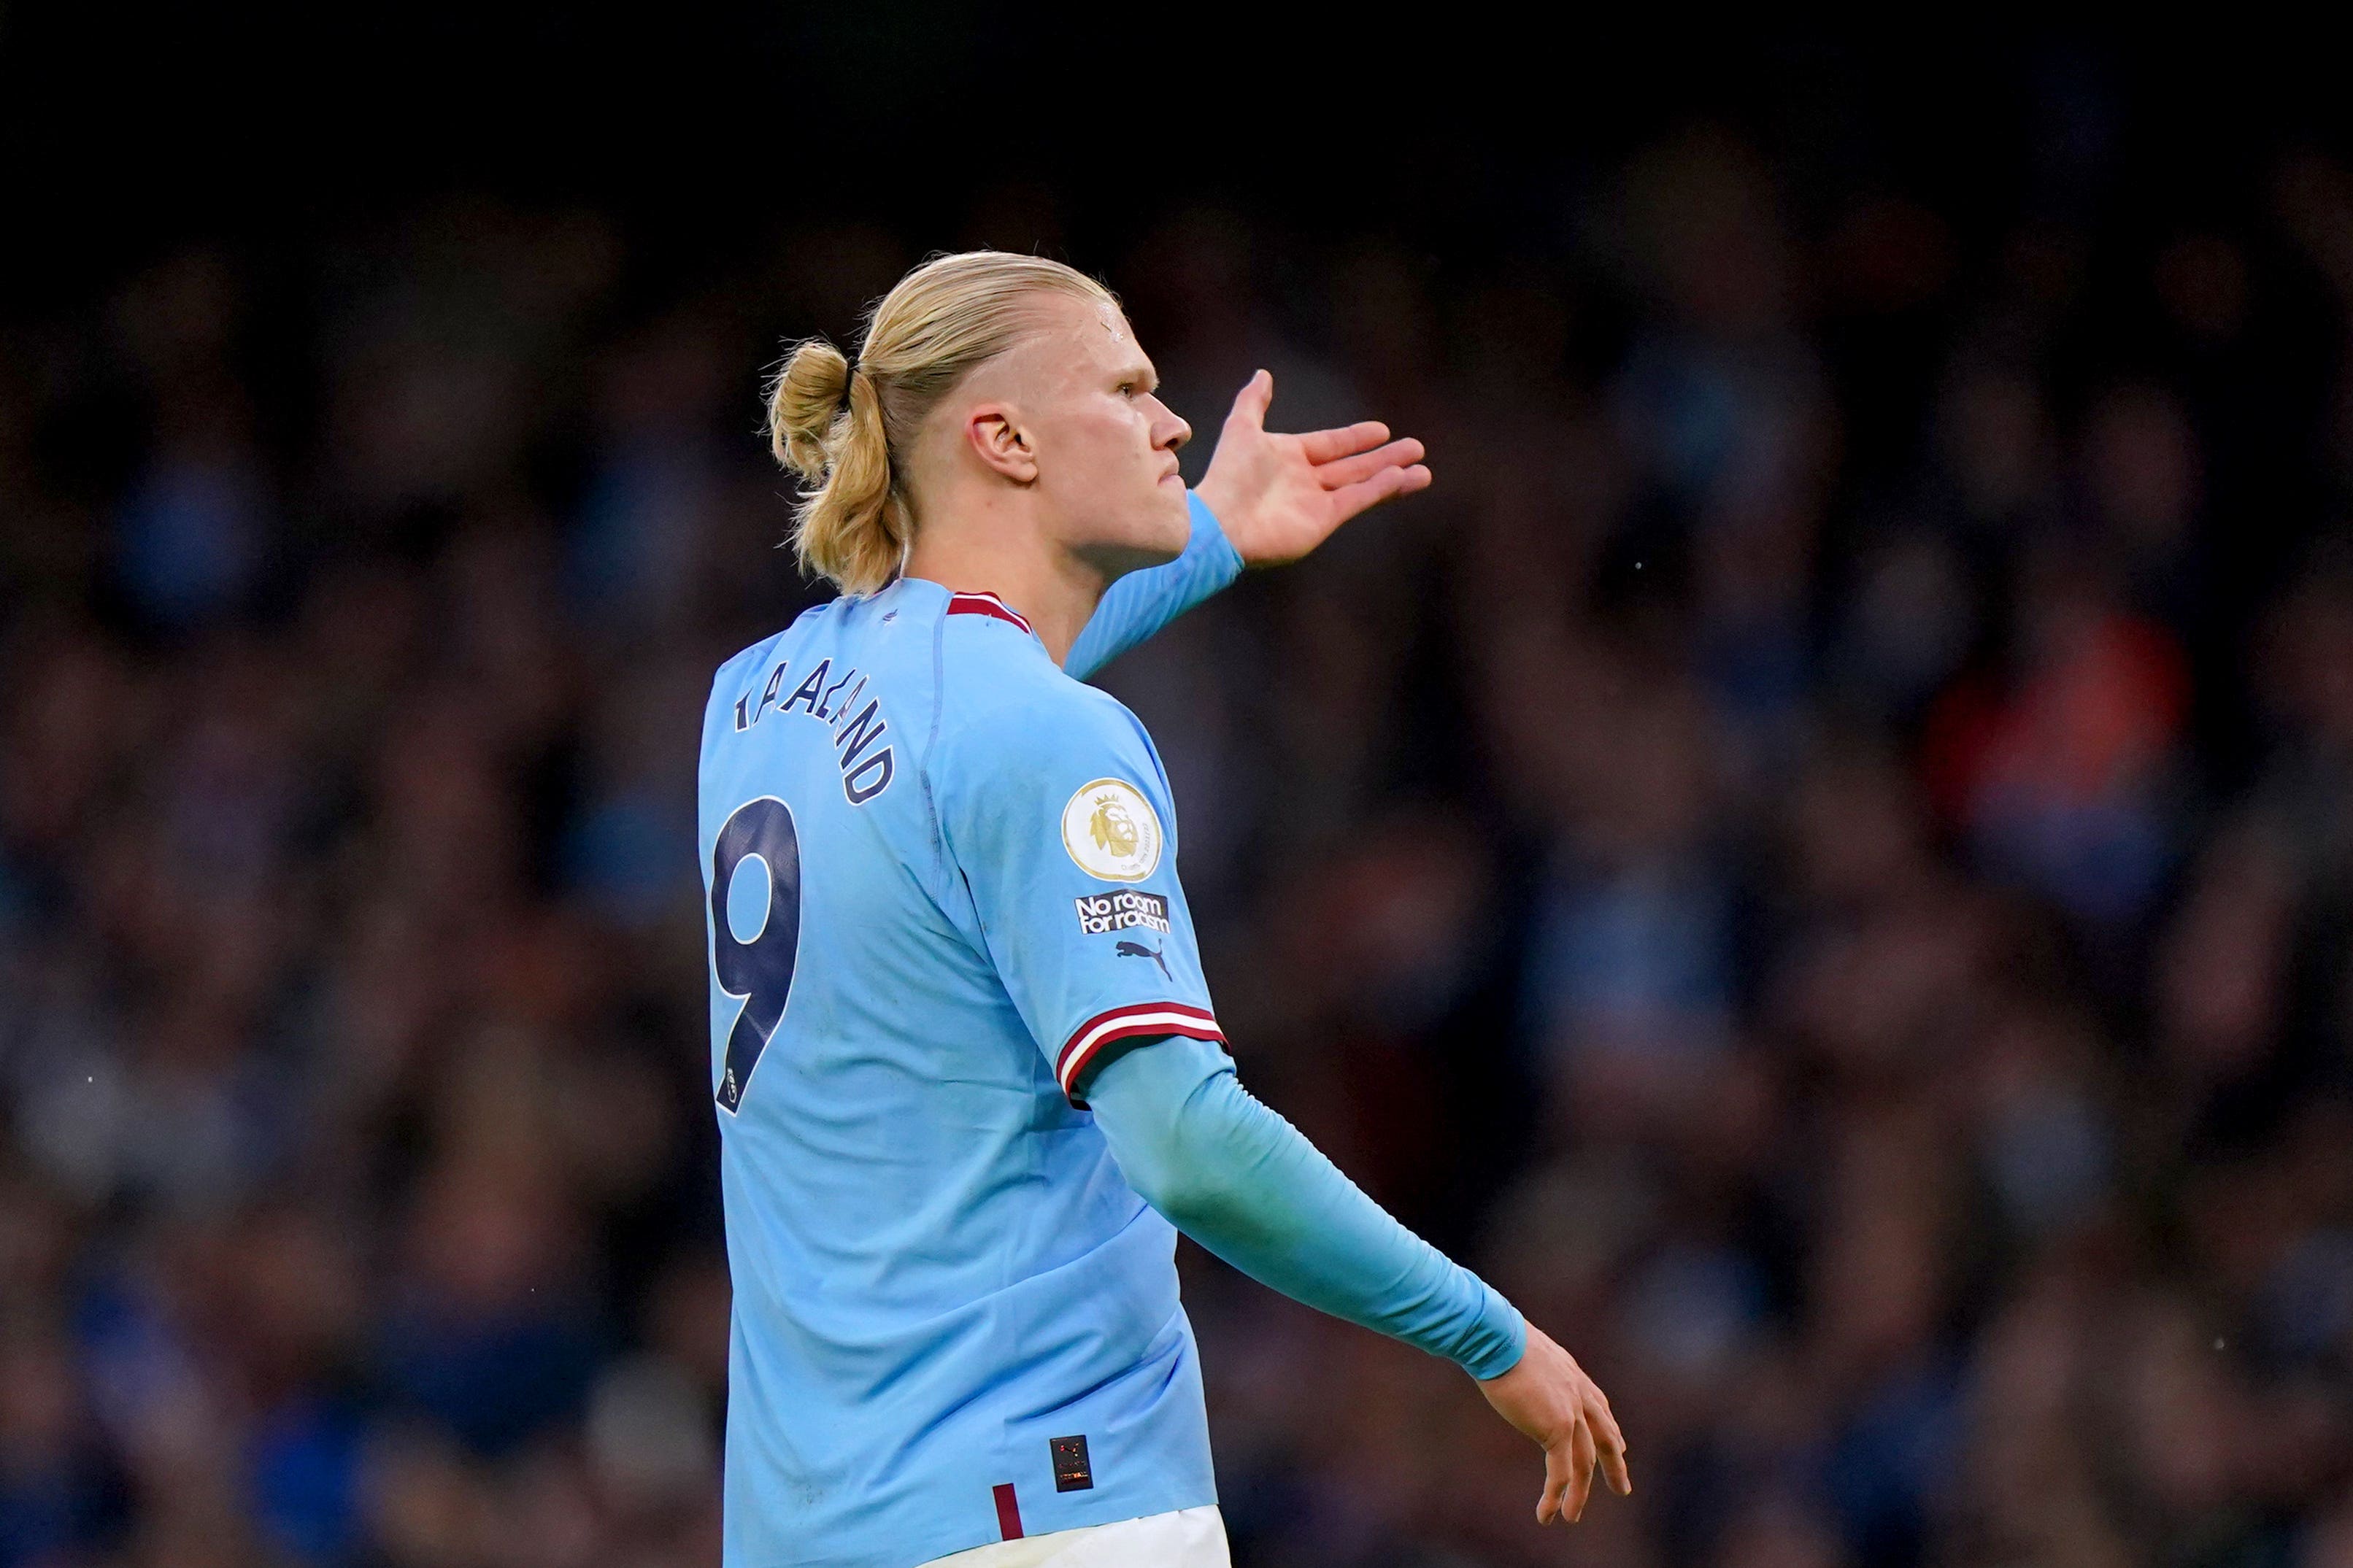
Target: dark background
(1817, 857)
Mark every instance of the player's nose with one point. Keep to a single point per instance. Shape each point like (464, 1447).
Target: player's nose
(1170, 432)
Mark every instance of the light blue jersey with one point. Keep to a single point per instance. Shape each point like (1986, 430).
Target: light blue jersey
(943, 884)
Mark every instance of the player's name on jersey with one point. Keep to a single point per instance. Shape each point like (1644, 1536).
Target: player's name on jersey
(1123, 910)
(865, 772)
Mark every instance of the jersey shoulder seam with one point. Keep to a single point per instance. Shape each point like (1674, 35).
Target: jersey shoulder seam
(940, 856)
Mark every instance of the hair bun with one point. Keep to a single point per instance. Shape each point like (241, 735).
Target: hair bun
(812, 390)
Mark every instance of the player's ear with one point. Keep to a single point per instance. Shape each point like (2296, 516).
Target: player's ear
(995, 435)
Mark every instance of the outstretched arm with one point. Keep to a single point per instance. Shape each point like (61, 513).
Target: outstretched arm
(1245, 1184)
(1267, 499)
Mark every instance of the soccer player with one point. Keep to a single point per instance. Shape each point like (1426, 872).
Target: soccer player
(970, 1082)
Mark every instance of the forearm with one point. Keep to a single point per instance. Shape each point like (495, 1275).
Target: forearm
(1246, 1185)
(1139, 605)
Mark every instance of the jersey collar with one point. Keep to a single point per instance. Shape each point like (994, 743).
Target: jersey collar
(982, 602)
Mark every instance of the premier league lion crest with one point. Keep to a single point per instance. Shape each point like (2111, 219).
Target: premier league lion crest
(1112, 831)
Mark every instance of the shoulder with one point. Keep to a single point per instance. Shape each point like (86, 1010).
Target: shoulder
(728, 681)
(1039, 759)
(1019, 713)
(1020, 741)
(752, 674)
(734, 671)
(1025, 753)
(731, 672)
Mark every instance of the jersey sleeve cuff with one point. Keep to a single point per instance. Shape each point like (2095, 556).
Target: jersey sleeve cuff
(1227, 561)
(1498, 1340)
(1141, 1019)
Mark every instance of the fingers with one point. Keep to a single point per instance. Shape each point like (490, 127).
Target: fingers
(1558, 1480)
(1323, 446)
(1568, 1477)
(1613, 1469)
(1251, 402)
(1350, 499)
(1343, 471)
(1581, 1456)
(1612, 1443)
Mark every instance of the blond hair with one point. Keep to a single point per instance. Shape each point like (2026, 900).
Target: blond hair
(842, 426)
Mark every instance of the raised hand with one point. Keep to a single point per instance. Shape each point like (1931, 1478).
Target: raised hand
(1549, 1397)
(1280, 496)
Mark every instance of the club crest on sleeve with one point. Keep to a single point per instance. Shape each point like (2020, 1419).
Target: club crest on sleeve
(1111, 832)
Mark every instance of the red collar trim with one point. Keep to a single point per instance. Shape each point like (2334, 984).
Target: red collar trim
(981, 603)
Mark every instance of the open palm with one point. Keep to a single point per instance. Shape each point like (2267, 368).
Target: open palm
(1278, 497)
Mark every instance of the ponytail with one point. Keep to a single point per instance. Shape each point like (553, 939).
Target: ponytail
(825, 423)
(840, 426)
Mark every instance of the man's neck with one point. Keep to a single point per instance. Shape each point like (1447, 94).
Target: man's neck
(1054, 592)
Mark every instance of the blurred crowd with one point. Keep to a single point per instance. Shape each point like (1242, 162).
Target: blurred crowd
(1818, 858)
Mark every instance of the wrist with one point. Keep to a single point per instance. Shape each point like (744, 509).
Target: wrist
(1223, 507)
(1209, 524)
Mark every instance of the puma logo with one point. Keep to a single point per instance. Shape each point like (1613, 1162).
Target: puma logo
(1137, 950)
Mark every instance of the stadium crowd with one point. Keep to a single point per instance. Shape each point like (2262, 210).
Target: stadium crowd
(1818, 859)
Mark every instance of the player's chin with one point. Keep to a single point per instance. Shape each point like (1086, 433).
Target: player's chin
(1147, 542)
(1161, 550)
(1172, 518)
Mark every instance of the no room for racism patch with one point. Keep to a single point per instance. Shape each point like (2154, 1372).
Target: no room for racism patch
(1123, 911)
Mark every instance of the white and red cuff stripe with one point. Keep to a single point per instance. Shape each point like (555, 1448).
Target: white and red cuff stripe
(1142, 1019)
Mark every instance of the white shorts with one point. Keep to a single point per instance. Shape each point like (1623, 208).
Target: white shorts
(1189, 1538)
